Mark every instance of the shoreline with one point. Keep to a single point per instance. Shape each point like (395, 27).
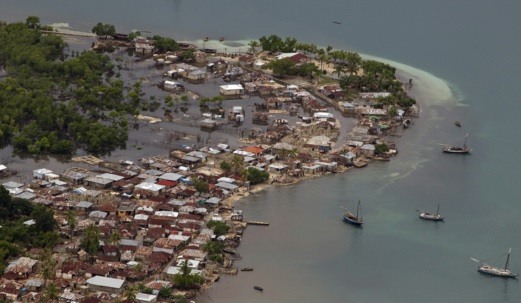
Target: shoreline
(278, 180)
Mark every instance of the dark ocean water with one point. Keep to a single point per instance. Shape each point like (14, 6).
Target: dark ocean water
(466, 63)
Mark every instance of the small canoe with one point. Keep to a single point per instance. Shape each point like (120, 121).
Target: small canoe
(458, 124)
(258, 288)
(247, 269)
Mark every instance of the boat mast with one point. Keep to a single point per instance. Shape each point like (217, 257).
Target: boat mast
(465, 143)
(438, 209)
(508, 257)
(358, 209)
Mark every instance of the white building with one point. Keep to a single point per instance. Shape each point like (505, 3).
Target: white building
(231, 90)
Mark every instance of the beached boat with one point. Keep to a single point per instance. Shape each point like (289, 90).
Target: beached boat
(406, 123)
(229, 251)
(353, 219)
(432, 217)
(496, 271)
(247, 269)
(258, 288)
(455, 149)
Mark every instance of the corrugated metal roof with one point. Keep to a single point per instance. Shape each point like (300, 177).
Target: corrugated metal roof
(106, 282)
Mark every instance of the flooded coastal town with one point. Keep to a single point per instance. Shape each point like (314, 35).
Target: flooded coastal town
(216, 126)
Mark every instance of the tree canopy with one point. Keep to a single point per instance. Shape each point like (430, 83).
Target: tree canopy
(164, 44)
(256, 176)
(104, 30)
(185, 279)
(55, 103)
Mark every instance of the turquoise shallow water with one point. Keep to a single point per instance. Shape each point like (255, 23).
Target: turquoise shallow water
(307, 254)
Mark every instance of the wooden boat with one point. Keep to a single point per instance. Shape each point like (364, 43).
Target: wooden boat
(209, 50)
(432, 217)
(503, 272)
(458, 124)
(229, 251)
(353, 219)
(458, 149)
(247, 269)
(258, 288)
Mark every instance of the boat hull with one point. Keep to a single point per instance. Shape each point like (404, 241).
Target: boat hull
(431, 217)
(353, 220)
(456, 150)
(497, 272)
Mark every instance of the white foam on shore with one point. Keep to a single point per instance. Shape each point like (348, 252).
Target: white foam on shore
(60, 25)
(426, 86)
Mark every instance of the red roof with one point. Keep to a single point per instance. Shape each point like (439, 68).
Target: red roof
(254, 150)
(167, 183)
(297, 58)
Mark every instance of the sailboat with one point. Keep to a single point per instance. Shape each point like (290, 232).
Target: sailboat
(496, 271)
(432, 217)
(454, 149)
(353, 219)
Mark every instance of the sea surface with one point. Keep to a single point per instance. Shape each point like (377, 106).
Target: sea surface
(464, 59)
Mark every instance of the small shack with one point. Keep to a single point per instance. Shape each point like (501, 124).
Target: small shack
(231, 90)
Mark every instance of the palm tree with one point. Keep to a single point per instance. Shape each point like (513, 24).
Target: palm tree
(353, 62)
(48, 266)
(115, 237)
(130, 293)
(90, 240)
(253, 44)
(322, 56)
(71, 222)
(51, 293)
(237, 163)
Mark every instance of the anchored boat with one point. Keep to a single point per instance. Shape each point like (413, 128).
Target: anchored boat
(432, 217)
(496, 271)
(351, 218)
(455, 149)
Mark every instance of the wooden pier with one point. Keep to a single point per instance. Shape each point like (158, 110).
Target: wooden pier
(258, 223)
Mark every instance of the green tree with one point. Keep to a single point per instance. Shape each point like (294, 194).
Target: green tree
(219, 228)
(200, 186)
(237, 163)
(51, 293)
(226, 166)
(256, 176)
(381, 148)
(133, 35)
(48, 266)
(253, 44)
(282, 67)
(353, 62)
(130, 293)
(187, 56)
(32, 22)
(44, 219)
(165, 292)
(185, 280)
(115, 237)
(71, 222)
(90, 240)
(104, 30)
(164, 44)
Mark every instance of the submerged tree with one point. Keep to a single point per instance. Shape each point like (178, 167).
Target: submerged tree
(104, 30)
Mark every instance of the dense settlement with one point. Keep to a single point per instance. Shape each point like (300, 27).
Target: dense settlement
(165, 227)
